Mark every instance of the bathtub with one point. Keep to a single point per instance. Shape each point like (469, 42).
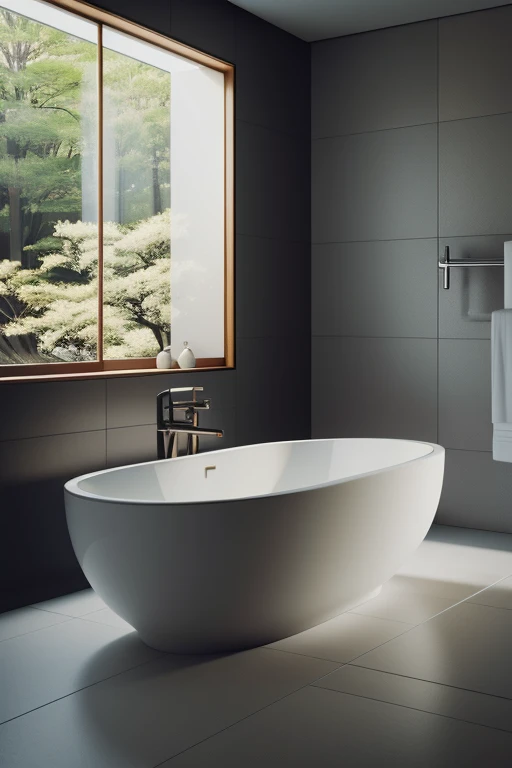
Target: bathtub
(244, 546)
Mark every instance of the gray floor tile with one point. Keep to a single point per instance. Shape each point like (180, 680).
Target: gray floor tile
(497, 596)
(107, 616)
(376, 388)
(375, 289)
(397, 603)
(329, 729)
(400, 91)
(465, 419)
(474, 64)
(467, 646)
(43, 666)
(385, 183)
(77, 604)
(141, 718)
(455, 563)
(342, 638)
(25, 620)
(475, 176)
(444, 700)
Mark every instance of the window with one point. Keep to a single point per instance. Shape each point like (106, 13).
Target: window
(116, 194)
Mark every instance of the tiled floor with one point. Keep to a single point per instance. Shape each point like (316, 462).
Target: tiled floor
(419, 676)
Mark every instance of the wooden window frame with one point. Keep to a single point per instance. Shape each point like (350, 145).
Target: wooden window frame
(140, 366)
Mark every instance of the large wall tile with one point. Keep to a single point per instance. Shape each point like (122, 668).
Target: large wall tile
(131, 401)
(374, 388)
(465, 394)
(465, 309)
(477, 492)
(154, 14)
(375, 186)
(36, 549)
(208, 25)
(272, 176)
(272, 76)
(131, 445)
(383, 79)
(375, 289)
(475, 66)
(51, 408)
(475, 176)
(266, 272)
(273, 390)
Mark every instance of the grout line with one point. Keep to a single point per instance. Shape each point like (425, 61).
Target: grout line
(53, 434)
(343, 336)
(305, 655)
(430, 618)
(431, 682)
(85, 687)
(317, 243)
(39, 629)
(299, 136)
(375, 240)
(437, 122)
(373, 130)
(315, 684)
(281, 698)
(275, 239)
(414, 709)
(58, 613)
(351, 336)
(482, 530)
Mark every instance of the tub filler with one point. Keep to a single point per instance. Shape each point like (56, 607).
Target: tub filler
(244, 546)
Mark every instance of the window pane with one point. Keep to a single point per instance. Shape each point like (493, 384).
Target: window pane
(48, 189)
(164, 161)
(137, 189)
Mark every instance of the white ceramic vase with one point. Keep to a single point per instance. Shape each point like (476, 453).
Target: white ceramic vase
(187, 358)
(164, 358)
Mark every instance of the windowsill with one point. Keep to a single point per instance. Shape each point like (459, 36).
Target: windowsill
(110, 374)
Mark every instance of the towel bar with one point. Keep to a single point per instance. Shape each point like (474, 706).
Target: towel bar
(447, 264)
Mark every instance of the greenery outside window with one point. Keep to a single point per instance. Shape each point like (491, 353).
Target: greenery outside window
(116, 195)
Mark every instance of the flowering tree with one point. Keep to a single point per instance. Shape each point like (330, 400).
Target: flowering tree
(57, 302)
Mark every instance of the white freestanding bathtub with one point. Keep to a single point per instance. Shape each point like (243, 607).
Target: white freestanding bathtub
(244, 546)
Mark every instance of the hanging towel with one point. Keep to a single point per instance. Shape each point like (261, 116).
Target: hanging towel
(502, 385)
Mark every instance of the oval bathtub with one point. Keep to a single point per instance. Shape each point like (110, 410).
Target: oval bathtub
(244, 546)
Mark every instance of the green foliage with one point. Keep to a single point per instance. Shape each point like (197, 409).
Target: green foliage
(59, 298)
(48, 280)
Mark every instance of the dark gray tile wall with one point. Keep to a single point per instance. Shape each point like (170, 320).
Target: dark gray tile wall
(393, 353)
(53, 431)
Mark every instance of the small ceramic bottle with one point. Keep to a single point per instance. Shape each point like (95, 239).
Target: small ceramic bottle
(187, 358)
(164, 358)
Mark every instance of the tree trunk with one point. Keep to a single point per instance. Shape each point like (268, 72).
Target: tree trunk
(16, 237)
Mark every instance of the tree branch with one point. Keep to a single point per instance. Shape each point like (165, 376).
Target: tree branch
(63, 110)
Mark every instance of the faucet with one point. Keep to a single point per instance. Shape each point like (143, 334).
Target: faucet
(168, 430)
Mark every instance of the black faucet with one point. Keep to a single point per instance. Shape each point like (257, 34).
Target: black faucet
(168, 430)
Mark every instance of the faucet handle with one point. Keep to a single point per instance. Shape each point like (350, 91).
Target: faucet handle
(187, 389)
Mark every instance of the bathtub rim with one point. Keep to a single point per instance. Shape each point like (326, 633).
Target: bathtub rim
(72, 486)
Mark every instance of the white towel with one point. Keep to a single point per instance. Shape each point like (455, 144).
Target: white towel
(502, 385)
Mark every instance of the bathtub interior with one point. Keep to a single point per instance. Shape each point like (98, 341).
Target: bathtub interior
(249, 471)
